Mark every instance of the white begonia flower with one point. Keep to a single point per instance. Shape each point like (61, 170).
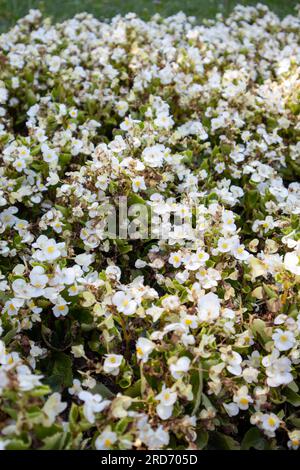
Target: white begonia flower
(138, 184)
(53, 407)
(154, 156)
(167, 398)
(49, 155)
(163, 120)
(270, 423)
(12, 306)
(144, 348)
(208, 307)
(180, 367)
(140, 264)
(53, 62)
(124, 303)
(225, 245)
(27, 380)
(84, 260)
(73, 113)
(106, 440)
(61, 308)
(112, 363)
(190, 321)
(292, 262)
(76, 387)
(122, 107)
(113, 272)
(48, 249)
(155, 312)
(283, 340)
(228, 221)
(92, 404)
(240, 253)
(242, 398)
(278, 369)
(232, 409)
(37, 276)
(78, 351)
(19, 165)
(250, 374)
(2, 352)
(3, 95)
(74, 290)
(3, 444)
(294, 442)
(196, 260)
(233, 362)
(175, 259)
(171, 302)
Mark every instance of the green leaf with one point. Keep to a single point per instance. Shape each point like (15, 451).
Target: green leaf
(123, 246)
(291, 397)
(293, 386)
(251, 198)
(135, 199)
(122, 425)
(224, 442)
(22, 442)
(134, 390)
(56, 442)
(252, 438)
(17, 444)
(202, 439)
(259, 329)
(270, 292)
(103, 391)
(197, 382)
(40, 391)
(9, 336)
(207, 403)
(61, 375)
(42, 432)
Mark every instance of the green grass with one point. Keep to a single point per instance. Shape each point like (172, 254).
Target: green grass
(11, 10)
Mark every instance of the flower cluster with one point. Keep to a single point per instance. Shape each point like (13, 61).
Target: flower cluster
(188, 340)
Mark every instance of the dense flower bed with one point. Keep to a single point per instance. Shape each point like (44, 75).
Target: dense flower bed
(181, 342)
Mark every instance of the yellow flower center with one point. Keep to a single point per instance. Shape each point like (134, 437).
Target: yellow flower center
(244, 401)
(271, 421)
